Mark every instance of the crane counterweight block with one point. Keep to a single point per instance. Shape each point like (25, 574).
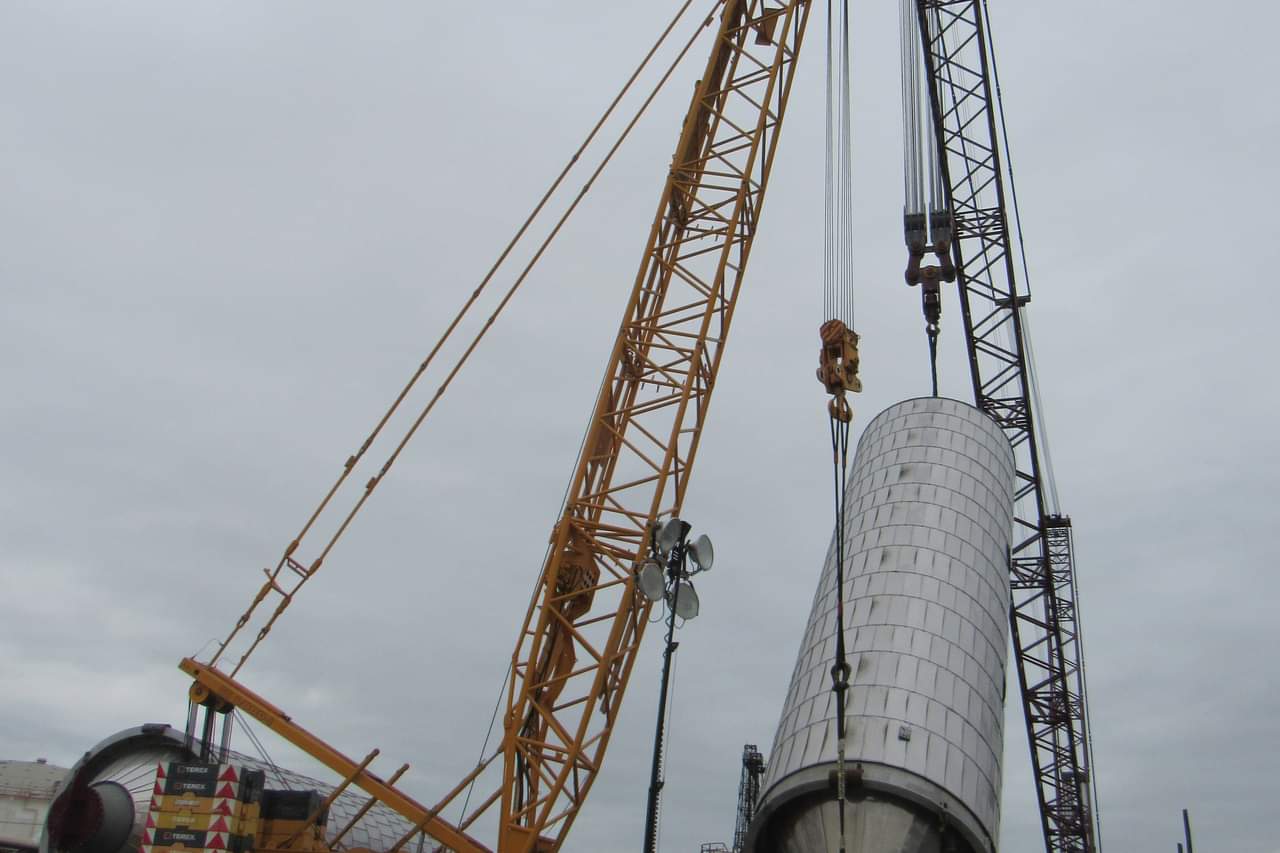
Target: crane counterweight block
(231, 692)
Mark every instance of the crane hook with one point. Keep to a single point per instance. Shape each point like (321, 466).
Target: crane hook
(838, 362)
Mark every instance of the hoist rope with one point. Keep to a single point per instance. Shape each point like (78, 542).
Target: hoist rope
(846, 171)
(912, 158)
(937, 192)
(272, 582)
(1033, 378)
(838, 190)
(262, 750)
(924, 226)
(840, 668)
(838, 290)
(1094, 804)
(921, 167)
(1093, 810)
(484, 748)
(1008, 157)
(828, 183)
(482, 761)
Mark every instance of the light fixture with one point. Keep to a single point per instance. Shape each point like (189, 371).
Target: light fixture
(650, 579)
(685, 599)
(671, 535)
(701, 552)
(668, 549)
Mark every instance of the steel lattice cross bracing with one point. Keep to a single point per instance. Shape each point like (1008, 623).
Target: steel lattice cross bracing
(748, 794)
(1043, 618)
(583, 630)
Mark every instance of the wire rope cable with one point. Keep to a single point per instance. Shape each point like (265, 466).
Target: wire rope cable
(1023, 314)
(582, 443)
(838, 292)
(829, 273)
(1033, 379)
(838, 192)
(846, 168)
(925, 228)
(262, 750)
(924, 113)
(601, 390)
(493, 719)
(305, 574)
(1095, 801)
(840, 669)
(1008, 157)
(912, 167)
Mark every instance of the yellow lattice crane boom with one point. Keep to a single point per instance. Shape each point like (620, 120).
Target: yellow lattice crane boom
(582, 632)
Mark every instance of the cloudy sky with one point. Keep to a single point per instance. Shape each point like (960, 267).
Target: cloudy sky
(231, 230)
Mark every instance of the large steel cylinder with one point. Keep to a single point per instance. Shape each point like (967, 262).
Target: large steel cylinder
(102, 803)
(928, 515)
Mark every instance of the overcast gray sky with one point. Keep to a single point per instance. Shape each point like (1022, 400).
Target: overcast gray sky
(231, 230)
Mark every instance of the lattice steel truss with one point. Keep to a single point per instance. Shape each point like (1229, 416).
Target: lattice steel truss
(583, 629)
(1042, 614)
(748, 794)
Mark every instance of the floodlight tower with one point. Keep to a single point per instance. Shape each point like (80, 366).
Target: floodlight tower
(669, 547)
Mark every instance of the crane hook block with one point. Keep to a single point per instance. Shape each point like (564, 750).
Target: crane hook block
(838, 359)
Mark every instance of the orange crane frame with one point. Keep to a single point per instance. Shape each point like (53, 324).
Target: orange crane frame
(582, 632)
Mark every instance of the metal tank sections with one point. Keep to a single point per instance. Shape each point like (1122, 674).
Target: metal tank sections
(928, 515)
(26, 790)
(118, 777)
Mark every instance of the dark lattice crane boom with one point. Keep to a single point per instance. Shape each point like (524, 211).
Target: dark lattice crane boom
(960, 79)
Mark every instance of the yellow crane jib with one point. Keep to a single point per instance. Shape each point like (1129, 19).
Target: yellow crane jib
(838, 366)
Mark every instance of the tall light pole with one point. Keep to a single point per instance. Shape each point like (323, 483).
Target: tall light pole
(669, 548)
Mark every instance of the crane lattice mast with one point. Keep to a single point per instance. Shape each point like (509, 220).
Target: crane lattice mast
(748, 794)
(1046, 639)
(583, 630)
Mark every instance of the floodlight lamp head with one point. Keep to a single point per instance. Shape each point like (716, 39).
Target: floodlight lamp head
(685, 599)
(650, 580)
(702, 554)
(672, 534)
